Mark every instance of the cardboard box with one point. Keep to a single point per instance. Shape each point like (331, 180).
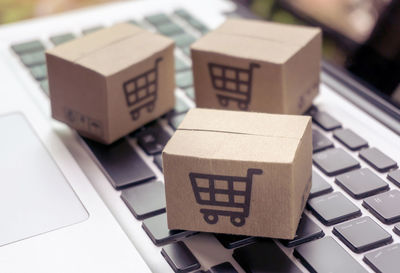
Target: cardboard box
(111, 82)
(238, 172)
(257, 66)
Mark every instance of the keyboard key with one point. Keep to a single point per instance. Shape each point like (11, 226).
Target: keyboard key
(153, 139)
(184, 79)
(362, 234)
(327, 256)
(394, 176)
(170, 29)
(180, 258)
(180, 65)
(39, 72)
(396, 229)
(326, 121)
(264, 256)
(45, 86)
(361, 183)
(180, 106)
(223, 268)
(62, 38)
(319, 186)
(333, 208)
(175, 120)
(320, 142)
(158, 161)
(190, 92)
(33, 58)
(145, 200)
(378, 160)
(306, 231)
(384, 260)
(230, 241)
(186, 51)
(30, 46)
(158, 19)
(183, 39)
(183, 13)
(122, 164)
(91, 30)
(157, 229)
(198, 25)
(385, 206)
(335, 161)
(350, 139)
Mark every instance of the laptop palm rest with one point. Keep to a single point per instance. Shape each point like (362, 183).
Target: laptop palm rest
(35, 197)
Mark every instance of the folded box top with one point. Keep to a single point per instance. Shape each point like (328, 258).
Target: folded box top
(109, 50)
(237, 135)
(257, 40)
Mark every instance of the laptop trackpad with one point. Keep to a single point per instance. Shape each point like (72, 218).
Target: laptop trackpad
(35, 197)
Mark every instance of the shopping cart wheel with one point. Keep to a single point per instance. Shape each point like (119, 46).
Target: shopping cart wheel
(135, 115)
(223, 101)
(150, 107)
(237, 221)
(243, 105)
(210, 218)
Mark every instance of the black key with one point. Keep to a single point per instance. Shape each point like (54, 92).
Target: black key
(44, 84)
(362, 234)
(33, 58)
(319, 186)
(361, 183)
(180, 65)
(91, 30)
(385, 206)
(169, 29)
(183, 13)
(198, 25)
(180, 258)
(158, 161)
(327, 256)
(158, 19)
(396, 229)
(378, 160)
(190, 92)
(326, 121)
(183, 40)
(320, 142)
(306, 231)
(394, 176)
(350, 139)
(184, 79)
(39, 72)
(175, 120)
(122, 164)
(157, 229)
(333, 208)
(335, 161)
(62, 38)
(264, 256)
(223, 268)
(384, 260)
(153, 139)
(145, 200)
(180, 106)
(230, 241)
(30, 46)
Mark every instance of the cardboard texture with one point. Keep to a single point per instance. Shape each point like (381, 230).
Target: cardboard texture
(238, 172)
(257, 66)
(111, 82)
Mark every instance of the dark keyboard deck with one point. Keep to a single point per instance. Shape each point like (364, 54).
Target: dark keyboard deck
(334, 147)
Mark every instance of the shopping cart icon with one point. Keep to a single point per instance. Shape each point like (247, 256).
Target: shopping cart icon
(224, 195)
(232, 83)
(141, 91)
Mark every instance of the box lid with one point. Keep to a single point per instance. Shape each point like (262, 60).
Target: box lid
(109, 50)
(257, 40)
(237, 135)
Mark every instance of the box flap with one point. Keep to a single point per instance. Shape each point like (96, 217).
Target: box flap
(124, 44)
(256, 40)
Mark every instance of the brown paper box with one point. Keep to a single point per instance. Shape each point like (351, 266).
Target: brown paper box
(264, 158)
(257, 66)
(111, 82)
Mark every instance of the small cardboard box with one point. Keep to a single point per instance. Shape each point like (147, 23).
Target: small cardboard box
(238, 172)
(111, 82)
(257, 66)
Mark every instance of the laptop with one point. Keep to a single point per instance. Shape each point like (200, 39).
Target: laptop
(68, 204)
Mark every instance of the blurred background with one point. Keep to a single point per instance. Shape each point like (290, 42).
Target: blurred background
(360, 36)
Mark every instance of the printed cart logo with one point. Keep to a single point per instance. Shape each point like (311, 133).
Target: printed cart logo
(223, 195)
(232, 83)
(141, 91)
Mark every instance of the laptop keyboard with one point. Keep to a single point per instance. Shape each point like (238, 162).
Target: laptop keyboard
(143, 192)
